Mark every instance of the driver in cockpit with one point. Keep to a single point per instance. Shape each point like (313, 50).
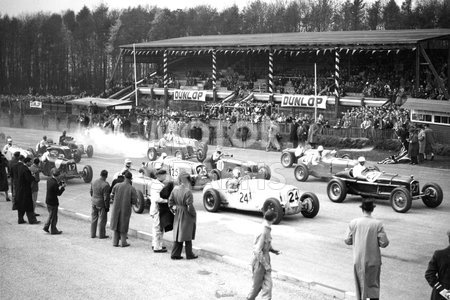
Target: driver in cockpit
(234, 182)
(359, 168)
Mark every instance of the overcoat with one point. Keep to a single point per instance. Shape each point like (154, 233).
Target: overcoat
(3, 174)
(313, 134)
(429, 141)
(438, 272)
(23, 178)
(123, 196)
(367, 235)
(184, 224)
(413, 149)
(422, 141)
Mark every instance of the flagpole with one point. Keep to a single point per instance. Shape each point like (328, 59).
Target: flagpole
(135, 79)
(315, 92)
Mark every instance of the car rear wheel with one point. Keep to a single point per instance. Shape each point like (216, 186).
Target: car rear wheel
(77, 156)
(211, 200)
(336, 190)
(201, 155)
(179, 154)
(90, 151)
(274, 204)
(265, 172)
(287, 159)
(311, 205)
(139, 206)
(433, 195)
(301, 172)
(152, 154)
(401, 200)
(87, 174)
(214, 175)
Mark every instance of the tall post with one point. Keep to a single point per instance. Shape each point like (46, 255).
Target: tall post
(166, 78)
(448, 68)
(214, 70)
(337, 76)
(271, 75)
(417, 81)
(315, 92)
(135, 76)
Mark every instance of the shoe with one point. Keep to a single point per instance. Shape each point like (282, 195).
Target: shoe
(176, 257)
(36, 215)
(35, 222)
(163, 247)
(21, 222)
(93, 237)
(7, 199)
(104, 237)
(192, 257)
(125, 245)
(57, 232)
(432, 157)
(160, 251)
(46, 229)
(115, 245)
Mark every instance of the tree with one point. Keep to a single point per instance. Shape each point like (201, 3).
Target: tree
(374, 15)
(391, 15)
(254, 17)
(320, 16)
(229, 21)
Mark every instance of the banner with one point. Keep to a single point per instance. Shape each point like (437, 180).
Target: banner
(192, 95)
(288, 100)
(35, 104)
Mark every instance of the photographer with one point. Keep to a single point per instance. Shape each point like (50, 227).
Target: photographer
(55, 188)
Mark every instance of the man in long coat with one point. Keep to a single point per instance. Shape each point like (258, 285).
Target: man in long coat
(4, 187)
(313, 134)
(12, 172)
(438, 273)
(123, 196)
(367, 235)
(23, 199)
(429, 142)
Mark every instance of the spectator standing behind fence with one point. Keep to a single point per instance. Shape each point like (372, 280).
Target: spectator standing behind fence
(429, 142)
(100, 191)
(438, 273)
(422, 143)
(413, 150)
(272, 141)
(293, 134)
(366, 127)
(367, 235)
(117, 123)
(313, 134)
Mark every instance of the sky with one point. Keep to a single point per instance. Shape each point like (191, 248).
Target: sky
(19, 7)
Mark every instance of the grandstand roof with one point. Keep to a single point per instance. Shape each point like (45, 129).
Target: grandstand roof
(377, 39)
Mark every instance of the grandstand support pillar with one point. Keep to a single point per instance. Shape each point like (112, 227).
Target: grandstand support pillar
(434, 72)
(166, 78)
(448, 69)
(337, 76)
(214, 77)
(271, 75)
(417, 68)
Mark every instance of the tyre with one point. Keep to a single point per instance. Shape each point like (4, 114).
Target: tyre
(336, 190)
(214, 175)
(87, 174)
(211, 200)
(265, 172)
(201, 155)
(346, 156)
(433, 195)
(312, 205)
(152, 154)
(77, 156)
(139, 206)
(81, 148)
(301, 172)
(274, 205)
(90, 151)
(400, 199)
(287, 159)
(179, 154)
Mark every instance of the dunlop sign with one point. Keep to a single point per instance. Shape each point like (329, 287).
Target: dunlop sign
(192, 95)
(35, 104)
(288, 100)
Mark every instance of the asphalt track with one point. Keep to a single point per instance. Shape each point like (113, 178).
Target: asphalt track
(313, 249)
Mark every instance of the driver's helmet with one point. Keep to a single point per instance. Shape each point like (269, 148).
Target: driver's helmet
(50, 141)
(320, 148)
(236, 173)
(9, 140)
(333, 153)
(361, 159)
(61, 156)
(163, 155)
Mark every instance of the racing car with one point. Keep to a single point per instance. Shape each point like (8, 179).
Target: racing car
(183, 148)
(67, 167)
(260, 195)
(291, 156)
(399, 190)
(143, 185)
(26, 153)
(77, 149)
(226, 164)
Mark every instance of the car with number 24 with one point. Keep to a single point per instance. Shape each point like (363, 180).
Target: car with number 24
(260, 195)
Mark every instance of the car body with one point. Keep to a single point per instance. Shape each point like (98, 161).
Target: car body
(67, 167)
(260, 195)
(78, 149)
(174, 166)
(226, 164)
(291, 156)
(399, 189)
(325, 168)
(58, 150)
(183, 148)
(143, 185)
(26, 153)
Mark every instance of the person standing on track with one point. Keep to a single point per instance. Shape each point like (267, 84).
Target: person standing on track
(100, 191)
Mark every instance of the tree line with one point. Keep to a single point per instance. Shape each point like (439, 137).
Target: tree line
(74, 52)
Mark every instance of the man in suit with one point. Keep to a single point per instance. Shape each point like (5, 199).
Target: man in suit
(35, 170)
(100, 190)
(12, 170)
(367, 235)
(54, 189)
(157, 186)
(23, 198)
(438, 273)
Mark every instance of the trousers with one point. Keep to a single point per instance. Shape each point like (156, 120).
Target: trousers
(262, 281)
(157, 233)
(34, 197)
(178, 247)
(99, 217)
(30, 216)
(52, 219)
(119, 235)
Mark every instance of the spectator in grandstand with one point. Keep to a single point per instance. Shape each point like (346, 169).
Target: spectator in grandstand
(366, 127)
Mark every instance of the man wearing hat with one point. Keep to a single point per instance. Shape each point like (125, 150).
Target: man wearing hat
(8, 145)
(13, 174)
(367, 235)
(438, 273)
(123, 196)
(126, 167)
(157, 186)
(23, 198)
(55, 188)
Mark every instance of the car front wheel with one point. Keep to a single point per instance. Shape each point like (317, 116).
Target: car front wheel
(433, 195)
(87, 174)
(139, 206)
(211, 200)
(274, 204)
(287, 159)
(336, 190)
(311, 205)
(152, 154)
(401, 200)
(301, 172)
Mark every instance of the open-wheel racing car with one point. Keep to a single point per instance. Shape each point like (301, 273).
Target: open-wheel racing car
(400, 190)
(260, 195)
(183, 148)
(226, 164)
(291, 156)
(67, 167)
(77, 149)
(143, 185)
(26, 153)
